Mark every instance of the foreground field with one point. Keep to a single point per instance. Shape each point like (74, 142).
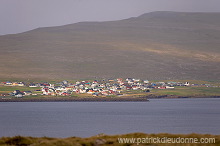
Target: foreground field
(106, 140)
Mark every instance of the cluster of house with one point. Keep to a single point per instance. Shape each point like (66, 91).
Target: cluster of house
(8, 83)
(95, 87)
(18, 93)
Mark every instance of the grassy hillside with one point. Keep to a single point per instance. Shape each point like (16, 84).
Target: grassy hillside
(155, 46)
(104, 140)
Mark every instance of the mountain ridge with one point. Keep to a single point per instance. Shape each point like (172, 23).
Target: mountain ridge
(156, 45)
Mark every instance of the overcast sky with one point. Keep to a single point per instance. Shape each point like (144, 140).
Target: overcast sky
(23, 15)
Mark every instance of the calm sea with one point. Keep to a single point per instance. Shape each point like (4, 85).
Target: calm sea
(84, 119)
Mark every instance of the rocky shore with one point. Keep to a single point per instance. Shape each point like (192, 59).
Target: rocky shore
(72, 99)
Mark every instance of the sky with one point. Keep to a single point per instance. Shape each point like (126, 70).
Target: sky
(18, 16)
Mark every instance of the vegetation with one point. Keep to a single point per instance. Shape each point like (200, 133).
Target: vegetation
(178, 91)
(104, 140)
(158, 45)
(189, 91)
(9, 89)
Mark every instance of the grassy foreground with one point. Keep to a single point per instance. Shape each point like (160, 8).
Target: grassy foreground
(101, 139)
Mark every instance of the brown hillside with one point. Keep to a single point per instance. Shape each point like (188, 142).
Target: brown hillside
(157, 45)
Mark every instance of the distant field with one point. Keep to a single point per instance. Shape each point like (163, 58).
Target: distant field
(189, 91)
(104, 140)
(8, 89)
(179, 91)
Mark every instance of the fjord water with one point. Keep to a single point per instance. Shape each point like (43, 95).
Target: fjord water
(84, 119)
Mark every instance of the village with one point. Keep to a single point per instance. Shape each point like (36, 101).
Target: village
(104, 87)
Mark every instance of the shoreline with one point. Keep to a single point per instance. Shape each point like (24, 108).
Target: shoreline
(175, 96)
(99, 99)
(83, 99)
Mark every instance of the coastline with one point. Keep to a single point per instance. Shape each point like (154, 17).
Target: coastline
(100, 99)
(175, 96)
(82, 99)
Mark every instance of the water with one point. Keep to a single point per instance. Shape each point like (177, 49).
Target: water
(84, 119)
